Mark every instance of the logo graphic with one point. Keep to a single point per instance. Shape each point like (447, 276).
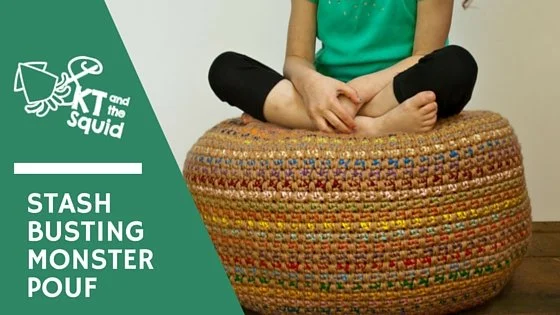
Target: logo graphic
(45, 92)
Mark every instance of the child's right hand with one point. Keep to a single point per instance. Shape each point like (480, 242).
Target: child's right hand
(320, 94)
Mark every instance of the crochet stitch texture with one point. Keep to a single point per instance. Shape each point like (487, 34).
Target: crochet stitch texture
(312, 223)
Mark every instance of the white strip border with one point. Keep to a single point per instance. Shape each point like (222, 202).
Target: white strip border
(77, 168)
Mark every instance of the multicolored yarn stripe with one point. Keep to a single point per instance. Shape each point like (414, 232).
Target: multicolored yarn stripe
(311, 223)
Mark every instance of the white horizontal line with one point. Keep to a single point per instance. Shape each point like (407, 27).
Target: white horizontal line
(77, 168)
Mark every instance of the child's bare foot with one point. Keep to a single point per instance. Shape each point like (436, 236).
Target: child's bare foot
(246, 118)
(416, 114)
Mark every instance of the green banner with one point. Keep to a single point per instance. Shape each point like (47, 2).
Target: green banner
(96, 217)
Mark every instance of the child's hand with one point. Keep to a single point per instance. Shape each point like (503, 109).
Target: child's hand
(323, 106)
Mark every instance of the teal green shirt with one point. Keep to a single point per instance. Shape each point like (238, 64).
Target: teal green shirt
(359, 37)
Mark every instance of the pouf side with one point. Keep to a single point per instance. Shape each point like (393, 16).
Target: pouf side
(311, 223)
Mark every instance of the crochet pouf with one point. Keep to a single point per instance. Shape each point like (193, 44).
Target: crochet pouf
(312, 223)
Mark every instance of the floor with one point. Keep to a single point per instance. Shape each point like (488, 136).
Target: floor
(535, 287)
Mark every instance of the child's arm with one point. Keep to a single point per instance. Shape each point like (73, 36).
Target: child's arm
(432, 29)
(319, 92)
(300, 48)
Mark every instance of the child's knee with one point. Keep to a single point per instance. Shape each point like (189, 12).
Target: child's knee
(457, 72)
(222, 72)
(460, 65)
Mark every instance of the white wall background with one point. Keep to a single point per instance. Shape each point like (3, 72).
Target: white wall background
(516, 43)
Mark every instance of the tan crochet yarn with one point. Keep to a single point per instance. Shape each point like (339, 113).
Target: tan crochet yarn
(311, 223)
